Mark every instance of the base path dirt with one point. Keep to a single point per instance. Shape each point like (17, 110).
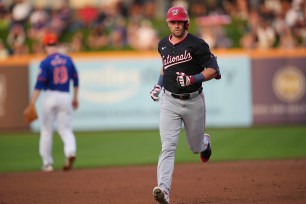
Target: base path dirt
(271, 182)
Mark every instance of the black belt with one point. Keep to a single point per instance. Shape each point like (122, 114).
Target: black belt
(184, 96)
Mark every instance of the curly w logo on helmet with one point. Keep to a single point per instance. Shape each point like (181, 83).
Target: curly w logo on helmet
(175, 12)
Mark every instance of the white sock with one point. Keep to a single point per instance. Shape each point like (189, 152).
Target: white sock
(205, 143)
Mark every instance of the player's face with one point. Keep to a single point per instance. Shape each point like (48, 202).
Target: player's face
(177, 28)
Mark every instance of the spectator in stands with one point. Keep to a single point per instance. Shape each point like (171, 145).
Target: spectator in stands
(148, 9)
(279, 24)
(5, 15)
(143, 37)
(295, 15)
(206, 32)
(77, 43)
(265, 35)
(116, 23)
(97, 38)
(101, 16)
(247, 41)
(20, 10)
(37, 48)
(118, 34)
(253, 20)
(16, 40)
(3, 51)
(273, 6)
(88, 14)
(287, 39)
(303, 35)
(38, 19)
(60, 18)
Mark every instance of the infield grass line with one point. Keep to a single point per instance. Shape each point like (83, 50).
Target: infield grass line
(19, 151)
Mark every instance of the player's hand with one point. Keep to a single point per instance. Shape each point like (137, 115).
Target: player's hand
(218, 76)
(184, 80)
(30, 113)
(75, 104)
(155, 92)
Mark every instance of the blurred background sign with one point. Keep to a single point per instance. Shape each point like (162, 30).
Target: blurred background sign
(114, 93)
(279, 95)
(256, 88)
(229, 100)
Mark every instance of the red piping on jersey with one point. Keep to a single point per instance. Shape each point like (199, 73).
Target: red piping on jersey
(170, 36)
(41, 79)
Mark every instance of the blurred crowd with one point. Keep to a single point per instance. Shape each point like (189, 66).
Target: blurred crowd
(120, 24)
(264, 24)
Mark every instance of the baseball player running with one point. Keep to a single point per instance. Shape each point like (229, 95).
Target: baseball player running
(187, 62)
(55, 74)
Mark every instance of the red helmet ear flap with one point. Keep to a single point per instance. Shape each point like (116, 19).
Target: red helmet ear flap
(186, 25)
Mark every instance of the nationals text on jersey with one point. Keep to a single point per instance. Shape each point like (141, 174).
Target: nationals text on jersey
(173, 60)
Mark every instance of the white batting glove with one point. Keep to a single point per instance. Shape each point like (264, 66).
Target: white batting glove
(155, 92)
(184, 80)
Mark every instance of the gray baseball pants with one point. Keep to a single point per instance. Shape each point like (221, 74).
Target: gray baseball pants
(173, 114)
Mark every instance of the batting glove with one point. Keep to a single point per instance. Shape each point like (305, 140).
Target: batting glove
(155, 92)
(184, 80)
(218, 76)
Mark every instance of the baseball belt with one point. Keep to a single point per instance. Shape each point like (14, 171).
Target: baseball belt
(184, 96)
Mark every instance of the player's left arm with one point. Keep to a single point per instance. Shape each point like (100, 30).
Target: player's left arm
(75, 78)
(207, 60)
(211, 72)
(212, 65)
(75, 100)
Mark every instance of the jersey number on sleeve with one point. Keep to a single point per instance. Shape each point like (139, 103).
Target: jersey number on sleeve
(60, 75)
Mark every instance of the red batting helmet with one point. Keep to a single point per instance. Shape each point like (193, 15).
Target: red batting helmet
(177, 13)
(50, 39)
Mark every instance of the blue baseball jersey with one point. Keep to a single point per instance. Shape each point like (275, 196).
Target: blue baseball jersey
(55, 73)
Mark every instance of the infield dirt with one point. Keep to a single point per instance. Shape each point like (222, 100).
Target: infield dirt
(271, 182)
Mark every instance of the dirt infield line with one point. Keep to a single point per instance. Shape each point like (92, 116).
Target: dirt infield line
(273, 182)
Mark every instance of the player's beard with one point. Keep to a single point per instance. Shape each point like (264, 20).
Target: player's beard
(179, 33)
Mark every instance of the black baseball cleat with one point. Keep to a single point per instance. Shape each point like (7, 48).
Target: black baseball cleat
(205, 155)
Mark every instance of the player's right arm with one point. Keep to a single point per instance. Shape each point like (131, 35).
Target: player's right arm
(161, 78)
(158, 87)
(40, 83)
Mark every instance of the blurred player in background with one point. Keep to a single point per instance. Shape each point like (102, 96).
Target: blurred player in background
(55, 74)
(187, 62)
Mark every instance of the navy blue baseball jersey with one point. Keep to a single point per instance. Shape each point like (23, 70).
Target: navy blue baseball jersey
(55, 73)
(190, 56)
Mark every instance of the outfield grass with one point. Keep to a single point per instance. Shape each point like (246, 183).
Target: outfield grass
(19, 151)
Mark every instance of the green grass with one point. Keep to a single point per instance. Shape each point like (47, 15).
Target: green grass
(19, 151)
